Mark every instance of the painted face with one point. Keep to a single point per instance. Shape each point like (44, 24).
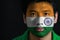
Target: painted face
(40, 18)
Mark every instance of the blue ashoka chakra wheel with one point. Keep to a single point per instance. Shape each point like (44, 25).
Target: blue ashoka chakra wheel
(48, 21)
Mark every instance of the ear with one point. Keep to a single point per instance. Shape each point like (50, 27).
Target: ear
(24, 18)
(56, 17)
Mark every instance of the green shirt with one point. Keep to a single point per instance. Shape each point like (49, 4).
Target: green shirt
(25, 36)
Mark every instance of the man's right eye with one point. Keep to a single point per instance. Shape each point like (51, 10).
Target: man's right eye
(32, 14)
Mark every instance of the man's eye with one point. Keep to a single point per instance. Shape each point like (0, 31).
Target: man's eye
(32, 14)
(45, 14)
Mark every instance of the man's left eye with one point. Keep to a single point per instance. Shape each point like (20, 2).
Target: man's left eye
(45, 14)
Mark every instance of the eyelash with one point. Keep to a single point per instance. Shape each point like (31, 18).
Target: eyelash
(45, 13)
(32, 14)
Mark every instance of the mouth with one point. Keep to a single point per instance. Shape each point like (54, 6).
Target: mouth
(40, 29)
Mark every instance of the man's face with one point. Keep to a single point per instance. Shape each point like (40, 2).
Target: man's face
(37, 12)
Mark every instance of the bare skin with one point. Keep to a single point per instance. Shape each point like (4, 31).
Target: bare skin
(47, 37)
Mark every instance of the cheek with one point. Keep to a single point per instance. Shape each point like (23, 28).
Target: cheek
(51, 14)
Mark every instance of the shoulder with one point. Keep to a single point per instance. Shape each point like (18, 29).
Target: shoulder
(56, 36)
(22, 37)
(17, 38)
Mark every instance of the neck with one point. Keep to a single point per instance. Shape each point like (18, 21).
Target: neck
(47, 37)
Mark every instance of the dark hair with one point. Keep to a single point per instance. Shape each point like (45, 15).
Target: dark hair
(27, 2)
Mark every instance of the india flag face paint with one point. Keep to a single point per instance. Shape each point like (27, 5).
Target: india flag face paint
(40, 18)
(40, 26)
(40, 21)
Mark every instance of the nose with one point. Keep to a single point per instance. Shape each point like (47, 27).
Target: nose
(38, 20)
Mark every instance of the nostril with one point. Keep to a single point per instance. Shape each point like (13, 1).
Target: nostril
(38, 24)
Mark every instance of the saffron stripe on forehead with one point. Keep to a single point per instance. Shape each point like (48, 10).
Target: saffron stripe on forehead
(39, 8)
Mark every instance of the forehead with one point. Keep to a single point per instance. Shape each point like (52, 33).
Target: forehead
(40, 6)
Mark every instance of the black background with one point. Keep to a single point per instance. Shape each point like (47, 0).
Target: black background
(12, 21)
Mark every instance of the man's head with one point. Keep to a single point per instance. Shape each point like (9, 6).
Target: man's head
(35, 14)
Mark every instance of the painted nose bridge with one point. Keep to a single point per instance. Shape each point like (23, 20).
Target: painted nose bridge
(39, 15)
(38, 20)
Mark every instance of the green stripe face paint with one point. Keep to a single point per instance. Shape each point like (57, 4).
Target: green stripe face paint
(40, 33)
(40, 26)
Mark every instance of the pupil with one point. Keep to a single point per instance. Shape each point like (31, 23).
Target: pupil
(45, 13)
(32, 13)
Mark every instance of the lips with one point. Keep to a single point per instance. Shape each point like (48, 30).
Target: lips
(39, 29)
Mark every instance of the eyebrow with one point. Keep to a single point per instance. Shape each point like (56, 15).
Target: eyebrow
(46, 10)
(33, 11)
(42, 11)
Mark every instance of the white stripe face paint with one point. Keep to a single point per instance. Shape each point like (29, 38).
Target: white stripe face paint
(40, 21)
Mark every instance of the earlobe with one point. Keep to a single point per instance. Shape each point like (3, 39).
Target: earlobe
(56, 17)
